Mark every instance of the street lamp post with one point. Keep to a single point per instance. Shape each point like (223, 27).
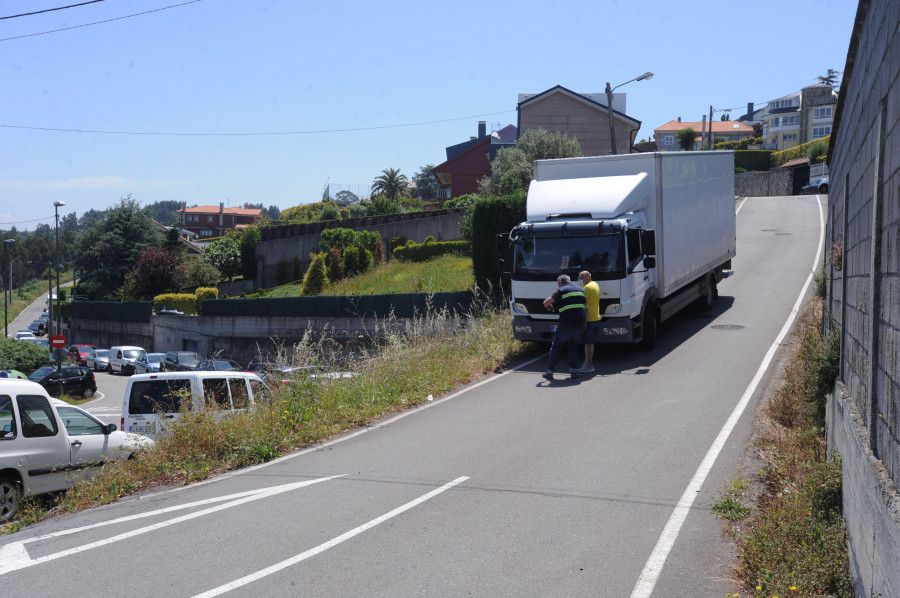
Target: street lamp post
(609, 109)
(56, 205)
(5, 313)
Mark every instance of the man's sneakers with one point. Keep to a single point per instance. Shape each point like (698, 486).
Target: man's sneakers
(587, 369)
(548, 376)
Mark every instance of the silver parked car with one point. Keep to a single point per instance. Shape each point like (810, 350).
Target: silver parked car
(148, 363)
(98, 360)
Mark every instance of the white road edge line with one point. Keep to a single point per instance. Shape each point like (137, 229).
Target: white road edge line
(652, 569)
(247, 579)
(15, 556)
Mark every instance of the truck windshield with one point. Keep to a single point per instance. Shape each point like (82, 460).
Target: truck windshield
(545, 258)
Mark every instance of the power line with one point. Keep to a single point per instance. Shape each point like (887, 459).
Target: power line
(27, 221)
(270, 133)
(6, 39)
(40, 12)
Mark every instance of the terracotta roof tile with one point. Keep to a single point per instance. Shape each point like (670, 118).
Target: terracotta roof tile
(718, 126)
(215, 210)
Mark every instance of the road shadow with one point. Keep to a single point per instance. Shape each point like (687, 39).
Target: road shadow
(610, 360)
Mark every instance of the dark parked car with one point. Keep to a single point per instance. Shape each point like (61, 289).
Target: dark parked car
(78, 353)
(219, 365)
(180, 361)
(76, 380)
(817, 186)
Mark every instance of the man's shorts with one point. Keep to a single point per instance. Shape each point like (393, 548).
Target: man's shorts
(590, 333)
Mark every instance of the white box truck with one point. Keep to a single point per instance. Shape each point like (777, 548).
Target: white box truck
(655, 230)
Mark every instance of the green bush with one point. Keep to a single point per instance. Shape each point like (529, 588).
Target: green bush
(740, 144)
(801, 151)
(316, 279)
(207, 293)
(759, 160)
(416, 252)
(396, 242)
(25, 357)
(183, 302)
(490, 217)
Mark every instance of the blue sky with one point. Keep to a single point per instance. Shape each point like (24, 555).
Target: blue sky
(267, 100)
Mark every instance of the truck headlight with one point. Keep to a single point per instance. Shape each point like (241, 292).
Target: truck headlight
(612, 308)
(520, 307)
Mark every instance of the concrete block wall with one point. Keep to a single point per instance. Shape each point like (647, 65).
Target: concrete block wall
(864, 295)
(762, 184)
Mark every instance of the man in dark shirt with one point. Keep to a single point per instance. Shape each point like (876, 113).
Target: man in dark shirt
(569, 301)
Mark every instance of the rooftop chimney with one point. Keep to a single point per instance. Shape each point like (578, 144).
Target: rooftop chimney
(749, 110)
(482, 128)
(221, 207)
(679, 119)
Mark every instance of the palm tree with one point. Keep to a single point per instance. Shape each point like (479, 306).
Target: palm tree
(391, 183)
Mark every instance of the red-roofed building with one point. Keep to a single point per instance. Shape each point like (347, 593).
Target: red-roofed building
(215, 221)
(666, 136)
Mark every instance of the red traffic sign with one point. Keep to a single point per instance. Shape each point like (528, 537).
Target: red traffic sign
(58, 341)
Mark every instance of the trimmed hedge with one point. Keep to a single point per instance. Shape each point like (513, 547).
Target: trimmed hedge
(183, 302)
(740, 144)
(206, 293)
(492, 216)
(422, 252)
(801, 151)
(760, 160)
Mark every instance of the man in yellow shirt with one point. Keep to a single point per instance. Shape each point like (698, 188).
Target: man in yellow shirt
(592, 299)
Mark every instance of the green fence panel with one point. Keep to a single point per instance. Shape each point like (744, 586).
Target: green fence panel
(404, 305)
(114, 311)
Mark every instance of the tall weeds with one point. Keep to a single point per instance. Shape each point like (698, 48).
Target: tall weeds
(405, 362)
(796, 544)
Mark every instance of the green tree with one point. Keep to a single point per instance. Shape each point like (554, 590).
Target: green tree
(329, 212)
(426, 183)
(201, 273)
(345, 198)
(162, 211)
(726, 117)
(225, 255)
(830, 78)
(391, 183)
(248, 243)
(316, 279)
(107, 250)
(381, 205)
(511, 170)
(172, 239)
(687, 138)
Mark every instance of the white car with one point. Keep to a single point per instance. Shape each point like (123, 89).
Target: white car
(47, 445)
(22, 334)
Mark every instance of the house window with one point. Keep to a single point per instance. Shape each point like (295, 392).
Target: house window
(822, 113)
(790, 137)
(669, 140)
(776, 122)
(821, 132)
(782, 104)
(790, 121)
(206, 233)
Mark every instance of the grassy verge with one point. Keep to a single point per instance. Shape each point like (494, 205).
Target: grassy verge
(794, 542)
(445, 273)
(415, 360)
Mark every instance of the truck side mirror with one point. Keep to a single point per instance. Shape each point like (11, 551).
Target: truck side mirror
(648, 242)
(650, 262)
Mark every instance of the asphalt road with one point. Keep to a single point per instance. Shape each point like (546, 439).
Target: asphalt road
(508, 487)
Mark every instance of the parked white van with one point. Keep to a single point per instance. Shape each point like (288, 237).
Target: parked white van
(121, 359)
(47, 445)
(151, 400)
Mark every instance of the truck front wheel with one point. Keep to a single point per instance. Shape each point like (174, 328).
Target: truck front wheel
(648, 329)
